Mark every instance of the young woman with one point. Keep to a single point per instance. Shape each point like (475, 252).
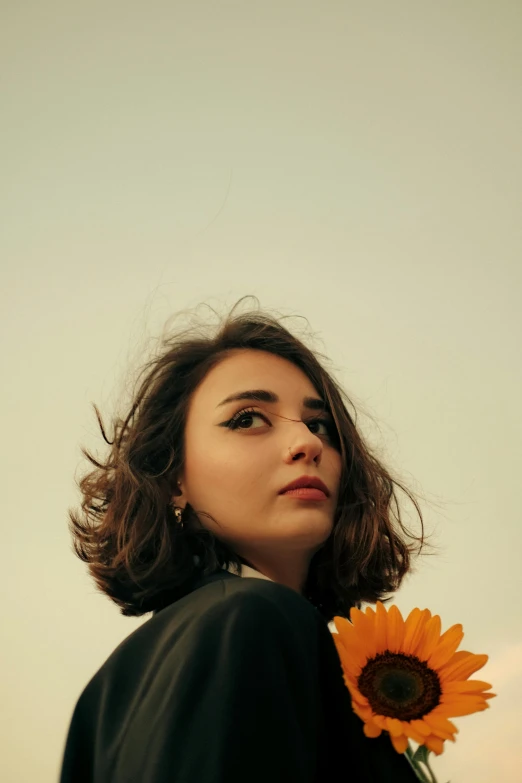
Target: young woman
(240, 505)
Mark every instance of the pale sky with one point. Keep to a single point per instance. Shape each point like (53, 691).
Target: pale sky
(358, 164)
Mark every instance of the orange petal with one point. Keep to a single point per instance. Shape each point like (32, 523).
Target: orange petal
(349, 681)
(352, 672)
(350, 668)
(413, 734)
(421, 727)
(350, 652)
(339, 644)
(415, 626)
(466, 686)
(395, 634)
(394, 726)
(461, 665)
(464, 707)
(466, 698)
(364, 713)
(440, 722)
(364, 630)
(410, 624)
(343, 625)
(435, 744)
(358, 625)
(381, 617)
(446, 646)
(431, 638)
(371, 729)
(354, 615)
(445, 735)
(380, 720)
(399, 743)
(349, 637)
(358, 697)
(442, 733)
(361, 621)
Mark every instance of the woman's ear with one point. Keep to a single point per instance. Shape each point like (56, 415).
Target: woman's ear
(178, 495)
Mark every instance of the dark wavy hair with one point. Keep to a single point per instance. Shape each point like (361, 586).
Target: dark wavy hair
(143, 559)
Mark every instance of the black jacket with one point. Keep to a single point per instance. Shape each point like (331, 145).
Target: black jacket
(239, 680)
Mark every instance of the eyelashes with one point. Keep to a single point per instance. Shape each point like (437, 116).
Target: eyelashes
(233, 423)
(245, 413)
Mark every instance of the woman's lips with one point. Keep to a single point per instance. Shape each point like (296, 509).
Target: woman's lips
(306, 493)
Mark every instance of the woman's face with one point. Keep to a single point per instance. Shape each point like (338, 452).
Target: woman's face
(236, 474)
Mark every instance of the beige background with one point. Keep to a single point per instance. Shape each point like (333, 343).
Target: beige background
(355, 163)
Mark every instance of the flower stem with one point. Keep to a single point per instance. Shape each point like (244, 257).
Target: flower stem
(416, 759)
(415, 765)
(432, 774)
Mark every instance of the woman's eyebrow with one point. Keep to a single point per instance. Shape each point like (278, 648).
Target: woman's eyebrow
(262, 395)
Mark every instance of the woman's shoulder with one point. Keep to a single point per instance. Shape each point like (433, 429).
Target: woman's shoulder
(244, 599)
(223, 608)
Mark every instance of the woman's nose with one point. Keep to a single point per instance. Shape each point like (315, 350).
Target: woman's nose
(305, 443)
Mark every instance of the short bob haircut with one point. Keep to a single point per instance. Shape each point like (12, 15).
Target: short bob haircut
(143, 559)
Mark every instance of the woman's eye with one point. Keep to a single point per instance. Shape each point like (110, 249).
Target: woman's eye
(235, 423)
(320, 423)
(245, 417)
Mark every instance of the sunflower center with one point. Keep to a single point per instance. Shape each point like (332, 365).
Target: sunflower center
(399, 686)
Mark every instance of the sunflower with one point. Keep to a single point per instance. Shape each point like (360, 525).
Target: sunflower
(406, 678)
